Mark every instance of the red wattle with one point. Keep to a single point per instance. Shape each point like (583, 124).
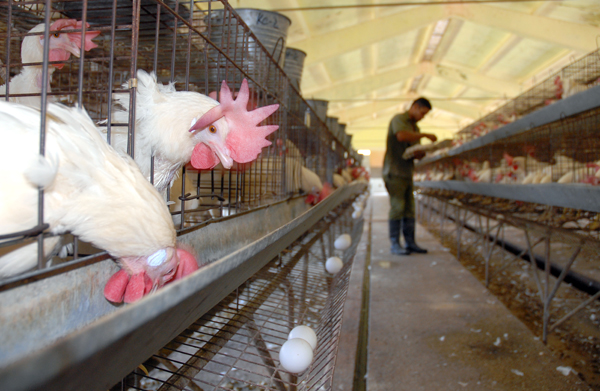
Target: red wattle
(203, 158)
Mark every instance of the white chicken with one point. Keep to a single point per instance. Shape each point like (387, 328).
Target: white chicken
(310, 181)
(176, 127)
(62, 45)
(90, 191)
(338, 180)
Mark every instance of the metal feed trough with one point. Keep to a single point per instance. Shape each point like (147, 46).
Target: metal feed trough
(63, 334)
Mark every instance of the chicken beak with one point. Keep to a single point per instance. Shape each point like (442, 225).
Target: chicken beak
(223, 154)
(68, 46)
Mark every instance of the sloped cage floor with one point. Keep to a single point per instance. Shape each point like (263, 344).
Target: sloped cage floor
(236, 345)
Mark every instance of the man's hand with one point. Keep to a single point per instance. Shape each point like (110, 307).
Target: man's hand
(432, 137)
(419, 154)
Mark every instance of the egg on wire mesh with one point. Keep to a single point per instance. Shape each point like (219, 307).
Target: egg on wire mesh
(295, 355)
(357, 214)
(333, 265)
(305, 333)
(342, 242)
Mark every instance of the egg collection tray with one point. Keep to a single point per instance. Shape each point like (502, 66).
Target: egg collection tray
(236, 345)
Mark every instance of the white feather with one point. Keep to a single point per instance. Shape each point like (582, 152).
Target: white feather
(28, 81)
(96, 194)
(42, 171)
(163, 118)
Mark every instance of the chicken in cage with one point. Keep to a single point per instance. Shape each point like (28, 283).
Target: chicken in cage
(576, 77)
(564, 152)
(136, 126)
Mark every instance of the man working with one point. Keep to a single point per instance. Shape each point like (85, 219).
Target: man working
(398, 173)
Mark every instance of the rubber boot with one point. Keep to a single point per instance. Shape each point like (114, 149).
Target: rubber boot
(408, 229)
(395, 238)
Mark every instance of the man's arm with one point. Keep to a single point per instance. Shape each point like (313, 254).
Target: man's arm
(407, 136)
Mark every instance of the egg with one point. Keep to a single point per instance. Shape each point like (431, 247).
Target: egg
(342, 242)
(333, 265)
(356, 214)
(305, 333)
(295, 355)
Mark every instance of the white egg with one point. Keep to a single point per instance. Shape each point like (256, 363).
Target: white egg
(333, 265)
(305, 333)
(295, 355)
(356, 214)
(342, 242)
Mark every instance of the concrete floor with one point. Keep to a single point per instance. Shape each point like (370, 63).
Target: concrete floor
(434, 326)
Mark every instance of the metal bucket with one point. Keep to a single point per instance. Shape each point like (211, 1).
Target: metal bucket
(332, 124)
(347, 140)
(342, 129)
(270, 28)
(293, 65)
(320, 108)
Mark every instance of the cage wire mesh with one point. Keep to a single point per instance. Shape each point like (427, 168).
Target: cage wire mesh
(576, 77)
(195, 45)
(235, 345)
(566, 151)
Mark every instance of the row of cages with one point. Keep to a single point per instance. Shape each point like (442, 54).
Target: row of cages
(565, 151)
(239, 343)
(524, 246)
(119, 60)
(576, 77)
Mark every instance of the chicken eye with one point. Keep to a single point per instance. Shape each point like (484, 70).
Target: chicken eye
(56, 35)
(212, 129)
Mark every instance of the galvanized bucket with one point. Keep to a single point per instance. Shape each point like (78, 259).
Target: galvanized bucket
(270, 28)
(320, 108)
(293, 65)
(332, 124)
(347, 140)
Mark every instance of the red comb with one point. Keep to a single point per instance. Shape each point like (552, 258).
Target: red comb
(72, 24)
(116, 285)
(245, 139)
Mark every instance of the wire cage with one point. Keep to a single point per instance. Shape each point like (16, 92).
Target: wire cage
(236, 345)
(576, 77)
(195, 45)
(564, 152)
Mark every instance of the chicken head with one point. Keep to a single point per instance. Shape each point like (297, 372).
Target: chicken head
(62, 45)
(245, 138)
(142, 275)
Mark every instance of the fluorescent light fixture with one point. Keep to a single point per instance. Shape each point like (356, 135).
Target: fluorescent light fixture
(365, 152)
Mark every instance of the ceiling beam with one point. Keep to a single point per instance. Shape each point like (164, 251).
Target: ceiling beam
(331, 44)
(379, 108)
(368, 84)
(365, 85)
(567, 34)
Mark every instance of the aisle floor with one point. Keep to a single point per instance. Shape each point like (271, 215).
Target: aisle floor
(434, 326)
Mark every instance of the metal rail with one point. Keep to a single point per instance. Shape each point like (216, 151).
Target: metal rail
(497, 223)
(110, 347)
